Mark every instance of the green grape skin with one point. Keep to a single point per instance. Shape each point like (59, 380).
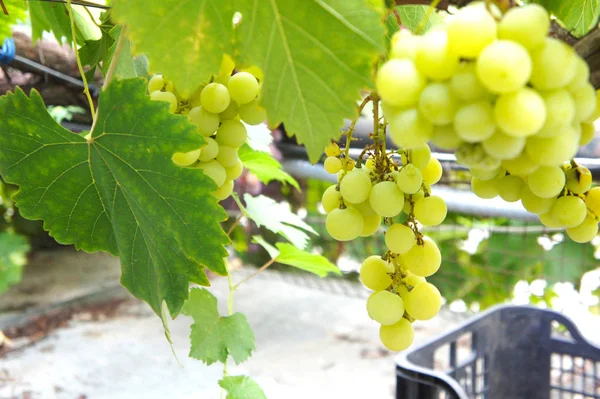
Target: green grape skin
(503, 66)
(331, 199)
(186, 158)
(206, 122)
(404, 45)
(570, 211)
(445, 137)
(475, 122)
(227, 156)
(371, 225)
(156, 83)
(585, 101)
(214, 170)
(413, 280)
(374, 273)
(471, 29)
(579, 179)
(409, 179)
(592, 200)
(520, 166)
(584, 232)
(424, 301)
(548, 220)
(438, 103)
(332, 165)
(399, 83)
(344, 224)
(385, 308)
(535, 204)
(486, 189)
(527, 25)
(409, 129)
(418, 156)
(355, 186)
(231, 112)
(581, 76)
(546, 181)
(433, 58)
(560, 112)
(408, 207)
(386, 199)
(466, 86)
(224, 191)
(502, 146)
(588, 132)
(209, 151)
(231, 133)
(487, 174)
(553, 65)
(430, 211)
(252, 113)
(521, 113)
(243, 87)
(553, 151)
(397, 337)
(474, 156)
(423, 260)
(365, 208)
(215, 98)
(235, 171)
(399, 238)
(432, 173)
(167, 97)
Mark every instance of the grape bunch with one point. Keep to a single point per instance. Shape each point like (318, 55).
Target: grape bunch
(218, 110)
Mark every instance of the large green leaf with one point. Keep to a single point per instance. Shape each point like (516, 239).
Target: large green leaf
(118, 192)
(316, 56)
(214, 337)
(578, 16)
(16, 13)
(183, 39)
(241, 387)
(265, 166)
(13, 251)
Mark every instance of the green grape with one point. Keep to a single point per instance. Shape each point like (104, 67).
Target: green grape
(438, 104)
(186, 158)
(231, 112)
(409, 129)
(475, 122)
(404, 45)
(235, 171)
(156, 83)
(344, 224)
(503, 66)
(585, 232)
(390, 111)
(227, 156)
(560, 111)
(365, 208)
(206, 122)
(413, 280)
(397, 337)
(585, 101)
(423, 260)
(474, 156)
(432, 173)
(215, 98)
(527, 25)
(409, 179)
(554, 65)
(214, 170)
(400, 238)
(332, 165)
(386, 199)
(487, 174)
(424, 301)
(521, 113)
(521, 165)
(252, 113)
(433, 57)
(592, 200)
(167, 97)
(466, 86)
(209, 151)
(535, 204)
(356, 186)
(553, 151)
(385, 308)
(546, 181)
(588, 132)
(548, 220)
(408, 207)
(243, 87)
(418, 156)
(332, 199)
(471, 29)
(485, 189)
(570, 211)
(231, 133)
(445, 137)
(579, 179)
(503, 146)
(224, 191)
(510, 188)
(374, 273)
(430, 211)
(581, 76)
(399, 83)
(371, 224)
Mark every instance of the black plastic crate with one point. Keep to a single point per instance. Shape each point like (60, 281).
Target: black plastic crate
(508, 352)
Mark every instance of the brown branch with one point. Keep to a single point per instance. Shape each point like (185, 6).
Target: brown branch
(75, 3)
(4, 10)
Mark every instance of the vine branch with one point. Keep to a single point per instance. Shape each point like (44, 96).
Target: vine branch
(4, 10)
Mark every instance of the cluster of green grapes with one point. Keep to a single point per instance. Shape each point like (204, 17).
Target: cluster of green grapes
(380, 191)
(217, 109)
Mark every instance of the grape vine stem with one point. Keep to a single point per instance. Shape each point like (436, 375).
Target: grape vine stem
(115, 57)
(234, 225)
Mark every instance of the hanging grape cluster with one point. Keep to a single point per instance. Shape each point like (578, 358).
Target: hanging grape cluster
(217, 109)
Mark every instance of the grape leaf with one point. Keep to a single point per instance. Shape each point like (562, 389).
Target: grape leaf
(16, 12)
(278, 218)
(128, 65)
(53, 17)
(13, 251)
(578, 16)
(214, 337)
(120, 191)
(580, 260)
(412, 15)
(316, 57)
(94, 51)
(241, 387)
(183, 39)
(264, 166)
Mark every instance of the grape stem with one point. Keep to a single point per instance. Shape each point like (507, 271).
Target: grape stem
(350, 130)
(234, 225)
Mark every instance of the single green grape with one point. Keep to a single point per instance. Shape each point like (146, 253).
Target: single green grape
(344, 224)
(231, 133)
(423, 259)
(430, 211)
(385, 307)
(227, 156)
(424, 301)
(206, 122)
(553, 65)
(527, 25)
(409, 179)
(331, 199)
(371, 224)
(546, 181)
(399, 83)
(399, 238)
(355, 186)
(332, 165)
(214, 170)
(243, 87)
(510, 188)
(570, 211)
(475, 122)
(167, 97)
(252, 113)
(397, 337)
(215, 98)
(156, 83)
(209, 151)
(224, 191)
(432, 173)
(584, 232)
(438, 103)
(186, 158)
(433, 58)
(235, 171)
(520, 113)
(503, 146)
(374, 273)
(386, 199)
(504, 66)
(470, 31)
(409, 129)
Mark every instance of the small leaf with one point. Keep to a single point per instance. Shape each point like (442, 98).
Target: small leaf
(271, 250)
(578, 16)
(13, 256)
(278, 218)
(265, 166)
(317, 264)
(241, 387)
(53, 17)
(214, 337)
(412, 15)
(17, 10)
